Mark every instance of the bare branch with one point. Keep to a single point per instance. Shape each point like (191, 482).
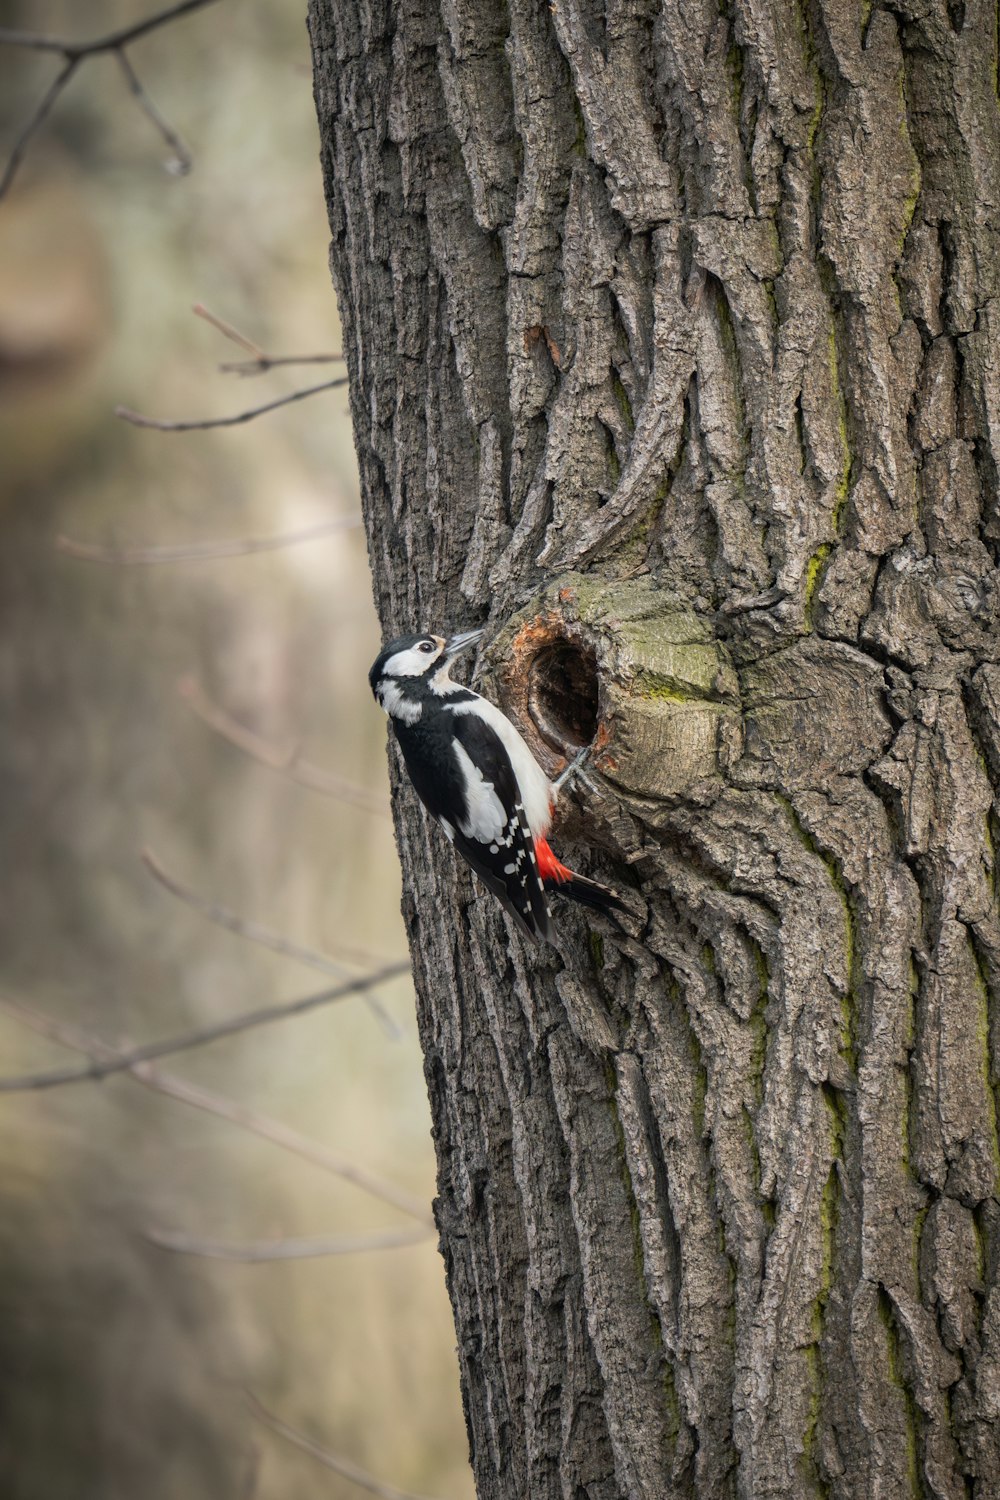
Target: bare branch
(143, 556)
(110, 42)
(74, 54)
(163, 425)
(265, 362)
(305, 1248)
(35, 120)
(341, 1466)
(120, 1062)
(258, 362)
(275, 757)
(255, 933)
(180, 163)
(227, 330)
(244, 1118)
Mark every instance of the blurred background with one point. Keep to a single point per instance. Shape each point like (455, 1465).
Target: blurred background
(125, 1365)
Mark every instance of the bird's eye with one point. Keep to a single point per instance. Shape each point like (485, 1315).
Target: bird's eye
(426, 646)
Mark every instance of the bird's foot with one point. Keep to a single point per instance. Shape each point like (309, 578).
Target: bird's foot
(574, 772)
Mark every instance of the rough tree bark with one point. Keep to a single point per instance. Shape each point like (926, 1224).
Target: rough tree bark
(674, 341)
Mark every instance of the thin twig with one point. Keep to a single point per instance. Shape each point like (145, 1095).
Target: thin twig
(35, 120)
(265, 362)
(254, 1122)
(110, 42)
(276, 757)
(200, 1036)
(163, 425)
(259, 362)
(305, 1248)
(222, 916)
(283, 1136)
(181, 162)
(144, 556)
(243, 927)
(341, 1466)
(227, 330)
(74, 54)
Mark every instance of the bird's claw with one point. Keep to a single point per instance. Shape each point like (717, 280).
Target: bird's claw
(574, 772)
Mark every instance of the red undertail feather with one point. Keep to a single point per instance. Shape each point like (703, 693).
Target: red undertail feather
(556, 876)
(549, 868)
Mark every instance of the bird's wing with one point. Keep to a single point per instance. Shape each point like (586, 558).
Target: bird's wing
(495, 838)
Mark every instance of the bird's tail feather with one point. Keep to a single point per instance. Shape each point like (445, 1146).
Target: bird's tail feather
(557, 877)
(587, 893)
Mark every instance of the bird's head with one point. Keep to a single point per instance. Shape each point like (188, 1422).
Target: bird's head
(415, 667)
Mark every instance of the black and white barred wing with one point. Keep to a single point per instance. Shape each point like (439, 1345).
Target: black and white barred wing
(494, 836)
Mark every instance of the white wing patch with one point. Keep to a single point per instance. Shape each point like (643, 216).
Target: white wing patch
(486, 819)
(532, 782)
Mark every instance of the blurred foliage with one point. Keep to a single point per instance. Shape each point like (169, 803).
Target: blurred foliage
(122, 1367)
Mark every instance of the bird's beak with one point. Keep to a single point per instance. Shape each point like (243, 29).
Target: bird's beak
(457, 643)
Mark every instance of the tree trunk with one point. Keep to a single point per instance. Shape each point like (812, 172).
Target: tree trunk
(674, 342)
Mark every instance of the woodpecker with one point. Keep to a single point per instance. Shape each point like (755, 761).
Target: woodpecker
(476, 776)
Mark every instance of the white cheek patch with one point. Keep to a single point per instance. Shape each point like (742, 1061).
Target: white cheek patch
(409, 663)
(396, 705)
(486, 818)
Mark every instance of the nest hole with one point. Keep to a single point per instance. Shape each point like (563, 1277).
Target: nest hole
(563, 694)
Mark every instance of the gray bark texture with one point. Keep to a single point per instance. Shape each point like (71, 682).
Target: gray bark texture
(674, 343)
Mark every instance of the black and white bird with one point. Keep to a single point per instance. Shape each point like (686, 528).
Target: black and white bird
(474, 773)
